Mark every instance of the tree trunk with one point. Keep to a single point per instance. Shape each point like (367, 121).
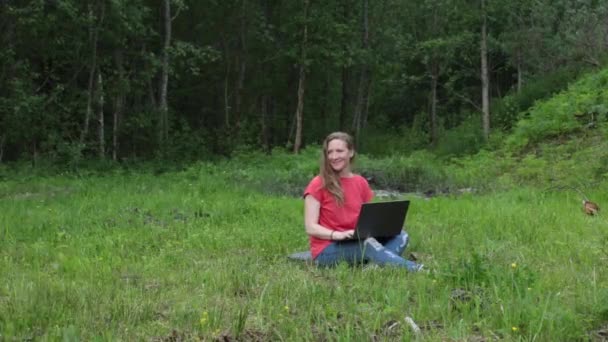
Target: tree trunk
(345, 97)
(300, 107)
(363, 89)
(361, 102)
(346, 76)
(367, 102)
(434, 68)
(2, 141)
(100, 119)
(117, 116)
(367, 88)
(520, 76)
(485, 80)
(7, 69)
(89, 109)
(164, 80)
(151, 93)
(241, 65)
(292, 83)
(226, 86)
(433, 109)
(93, 38)
(367, 84)
(238, 98)
(264, 122)
(292, 130)
(323, 102)
(34, 154)
(119, 99)
(7, 73)
(302, 82)
(149, 84)
(226, 100)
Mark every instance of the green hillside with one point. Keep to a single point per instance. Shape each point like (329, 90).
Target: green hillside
(557, 142)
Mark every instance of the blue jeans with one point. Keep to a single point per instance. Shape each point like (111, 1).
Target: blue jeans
(385, 251)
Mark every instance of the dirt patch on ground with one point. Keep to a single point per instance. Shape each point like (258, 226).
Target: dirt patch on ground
(248, 335)
(174, 336)
(599, 335)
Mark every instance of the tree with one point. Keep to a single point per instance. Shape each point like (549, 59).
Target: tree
(96, 13)
(163, 107)
(119, 100)
(585, 31)
(224, 73)
(437, 50)
(100, 99)
(485, 79)
(302, 80)
(363, 89)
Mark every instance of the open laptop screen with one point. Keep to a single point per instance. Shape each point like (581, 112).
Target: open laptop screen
(381, 219)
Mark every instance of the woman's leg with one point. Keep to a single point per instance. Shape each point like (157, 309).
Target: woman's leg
(376, 252)
(347, 251)
(396, 244)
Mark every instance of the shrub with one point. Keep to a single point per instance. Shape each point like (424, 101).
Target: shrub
(466, 138)
(568, 112)
(420, 171)
(478, 171)
(506, 111)
(399, 141)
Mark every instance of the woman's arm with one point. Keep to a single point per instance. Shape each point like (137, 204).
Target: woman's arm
(311, 222)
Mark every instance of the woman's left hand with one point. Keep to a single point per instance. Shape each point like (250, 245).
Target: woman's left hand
(345, 235)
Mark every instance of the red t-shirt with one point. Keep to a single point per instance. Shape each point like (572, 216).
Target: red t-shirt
(332, 216)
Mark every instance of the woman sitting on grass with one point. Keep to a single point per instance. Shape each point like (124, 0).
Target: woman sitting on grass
(332, 201)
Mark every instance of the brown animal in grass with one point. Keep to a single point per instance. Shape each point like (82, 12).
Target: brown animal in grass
(590, 208)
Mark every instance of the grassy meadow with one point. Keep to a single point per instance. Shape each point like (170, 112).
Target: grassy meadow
(170, 253)
(201, 254)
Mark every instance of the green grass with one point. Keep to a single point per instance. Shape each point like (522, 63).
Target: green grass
(195, 254)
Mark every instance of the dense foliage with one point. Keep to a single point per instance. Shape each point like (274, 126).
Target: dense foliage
(179, 79)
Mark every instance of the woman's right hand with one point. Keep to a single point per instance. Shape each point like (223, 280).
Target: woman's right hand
(345, 235)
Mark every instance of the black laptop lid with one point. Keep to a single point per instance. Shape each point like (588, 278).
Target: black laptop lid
(381, 219)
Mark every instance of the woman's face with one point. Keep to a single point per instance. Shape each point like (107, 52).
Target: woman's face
(338, 155)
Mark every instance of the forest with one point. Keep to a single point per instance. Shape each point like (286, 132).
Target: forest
(190, 80)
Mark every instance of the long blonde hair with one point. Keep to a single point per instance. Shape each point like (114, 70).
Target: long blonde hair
(331, 178)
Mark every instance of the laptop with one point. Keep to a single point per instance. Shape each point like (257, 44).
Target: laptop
(381, 219)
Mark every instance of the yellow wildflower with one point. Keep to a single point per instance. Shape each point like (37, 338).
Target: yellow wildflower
(204, 318)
